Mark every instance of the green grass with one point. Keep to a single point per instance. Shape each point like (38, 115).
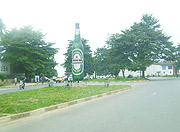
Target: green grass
(117, 79)
(2, 115)
(5, 84)
(23, 101)
(169, 76)
(97, 80)
(130, 79)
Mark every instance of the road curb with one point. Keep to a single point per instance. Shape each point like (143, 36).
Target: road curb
(58, 106)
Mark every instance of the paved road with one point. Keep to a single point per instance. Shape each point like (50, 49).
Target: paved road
(16, 88)
(152, 106)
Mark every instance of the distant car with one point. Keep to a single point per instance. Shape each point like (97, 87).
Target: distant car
(70, 79)
(45, 79)
(59, 79)
(66, 77)
(130, 76)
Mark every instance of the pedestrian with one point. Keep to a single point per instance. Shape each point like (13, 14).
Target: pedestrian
(15, 80)
(36, 79)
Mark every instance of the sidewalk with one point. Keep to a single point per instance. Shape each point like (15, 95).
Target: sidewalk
(15, 88)
(13, 85)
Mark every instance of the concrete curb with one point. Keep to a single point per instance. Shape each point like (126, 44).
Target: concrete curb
(58, 106)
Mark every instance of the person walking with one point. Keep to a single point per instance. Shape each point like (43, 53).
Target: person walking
(15, 80)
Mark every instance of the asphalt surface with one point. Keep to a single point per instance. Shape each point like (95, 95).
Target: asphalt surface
(152, 106)
(9, 89)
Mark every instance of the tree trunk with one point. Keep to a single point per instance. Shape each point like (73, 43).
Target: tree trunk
(143, 74)
(176, 72)
(123, 72)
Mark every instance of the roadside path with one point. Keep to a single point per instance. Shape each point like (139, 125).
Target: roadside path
(30, 86)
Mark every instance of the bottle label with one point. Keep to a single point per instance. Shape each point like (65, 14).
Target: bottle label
(77, 62)
(77, 31)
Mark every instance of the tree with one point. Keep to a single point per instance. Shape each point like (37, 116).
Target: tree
(150, 43)
(88, 60)
(141, 45)
(177, 58)
(2, 32)
(2, 28)
(119, 52)
(27, 52)
(100, 61)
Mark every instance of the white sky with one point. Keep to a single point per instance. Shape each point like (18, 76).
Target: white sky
(97, 18)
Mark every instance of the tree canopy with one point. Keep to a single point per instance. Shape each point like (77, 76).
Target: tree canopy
(2, 32)
(101, 61)
(140, 46)
(2, 28)
(27, 52)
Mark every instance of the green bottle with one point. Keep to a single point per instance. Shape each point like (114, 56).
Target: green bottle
(77, 56)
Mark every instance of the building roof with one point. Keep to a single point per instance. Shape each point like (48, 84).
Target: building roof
(165, 63)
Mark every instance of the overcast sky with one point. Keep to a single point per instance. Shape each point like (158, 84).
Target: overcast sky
(97, 18)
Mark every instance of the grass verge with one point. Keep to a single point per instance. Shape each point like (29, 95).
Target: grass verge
(5, 84)
(23, 101)
(117, 79)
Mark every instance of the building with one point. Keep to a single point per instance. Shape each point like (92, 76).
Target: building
(157, 69)
(4, 67)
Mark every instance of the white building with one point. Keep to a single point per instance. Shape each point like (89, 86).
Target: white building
(163, 68)
(4, 67)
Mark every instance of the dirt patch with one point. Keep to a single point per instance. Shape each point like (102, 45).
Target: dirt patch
(15, 103)
(30, 99)
(80, 84)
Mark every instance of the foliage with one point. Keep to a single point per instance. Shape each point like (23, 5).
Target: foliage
(88, 60)
(5, 84)
(150, 44)
(2, 32)
(119, 53)
(2, 28)
(101, 62)
(141, 45)
(177, 58)
(3, 76)
(23, 101)
(28, 53)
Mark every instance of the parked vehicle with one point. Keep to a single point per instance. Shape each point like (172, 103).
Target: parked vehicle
(59, 79)
(45, 79)
(70, 79)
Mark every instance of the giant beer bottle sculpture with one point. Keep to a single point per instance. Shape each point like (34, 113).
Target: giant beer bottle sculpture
(77, 56)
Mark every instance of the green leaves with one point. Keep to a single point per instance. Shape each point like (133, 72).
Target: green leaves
(101, 61)
(140, 46)
(28, 53)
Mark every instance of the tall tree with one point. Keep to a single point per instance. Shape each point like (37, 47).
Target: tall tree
(177, 58)
(2, 28)
(150, 44)
(119, 52)
(2, 32)
(28, 53)
(88, 60)
(101, 61)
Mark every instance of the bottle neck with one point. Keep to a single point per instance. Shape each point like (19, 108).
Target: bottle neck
(77, 37)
